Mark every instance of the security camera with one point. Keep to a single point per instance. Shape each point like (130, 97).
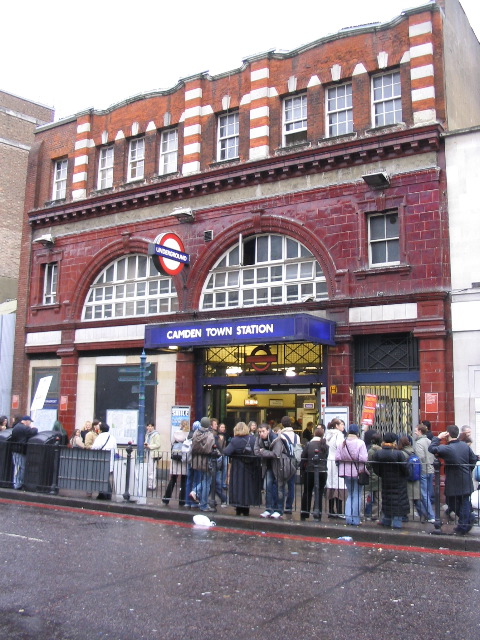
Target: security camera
(47, 240)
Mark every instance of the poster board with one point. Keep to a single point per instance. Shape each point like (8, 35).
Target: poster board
(43, 419)
(179, 413)
(336, 412)
(41, 393)
(123, 425)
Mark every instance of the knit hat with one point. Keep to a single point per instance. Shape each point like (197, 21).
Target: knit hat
(205, 423)
(353, 428)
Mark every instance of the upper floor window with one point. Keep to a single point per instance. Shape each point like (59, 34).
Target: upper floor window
(136, 159)
(383, 238)
(387, 99)
(60, 179)
(264, 270)
(50, 283)
(129, 287)
(294, 120)
(339, 110)
(168, 152)
(228, 130)
(105, 168)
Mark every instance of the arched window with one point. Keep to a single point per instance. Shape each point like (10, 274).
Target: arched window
(130, 287)
(264, 270)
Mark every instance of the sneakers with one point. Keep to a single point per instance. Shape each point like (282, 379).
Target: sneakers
(265, 514)
(193, 497)
(275, 515)
(431, 521)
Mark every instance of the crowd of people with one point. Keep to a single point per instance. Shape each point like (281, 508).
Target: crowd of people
(356, 473)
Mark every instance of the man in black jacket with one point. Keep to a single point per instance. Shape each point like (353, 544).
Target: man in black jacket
(21, 433)
(459, 462)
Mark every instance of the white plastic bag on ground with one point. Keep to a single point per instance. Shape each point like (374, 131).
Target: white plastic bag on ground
(203, 521)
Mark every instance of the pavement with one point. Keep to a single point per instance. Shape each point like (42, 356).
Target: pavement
(413, 533)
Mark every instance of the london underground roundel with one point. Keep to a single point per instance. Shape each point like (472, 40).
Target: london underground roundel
(168, 254)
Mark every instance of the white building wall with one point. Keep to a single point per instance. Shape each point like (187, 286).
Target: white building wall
(462, 158)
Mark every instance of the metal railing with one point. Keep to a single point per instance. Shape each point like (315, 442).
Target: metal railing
(211, 481)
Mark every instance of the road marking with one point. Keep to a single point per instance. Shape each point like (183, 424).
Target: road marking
(17, 535)
(258, 534)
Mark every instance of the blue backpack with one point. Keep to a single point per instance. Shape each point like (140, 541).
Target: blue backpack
(414, 467)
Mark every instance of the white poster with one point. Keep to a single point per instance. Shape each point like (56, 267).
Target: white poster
(123, 425)
(337, 412)
(179, 414)
(43, 419)
(41, 393)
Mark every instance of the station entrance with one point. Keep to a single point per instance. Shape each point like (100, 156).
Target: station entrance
(263, 382)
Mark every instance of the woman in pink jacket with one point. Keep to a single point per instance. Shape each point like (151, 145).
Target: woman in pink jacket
(351, 456)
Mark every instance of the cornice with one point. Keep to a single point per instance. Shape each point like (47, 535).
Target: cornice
(390, 144)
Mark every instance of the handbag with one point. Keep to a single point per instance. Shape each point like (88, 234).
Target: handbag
(363, 477)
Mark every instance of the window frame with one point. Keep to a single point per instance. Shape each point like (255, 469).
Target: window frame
(135, 162)
(289, 274)
(50, 283)
(164, 167)
(335, 112)
(223, 146)
(302, 129)
(118, 288)
(386, 239)
(60, 177)
(105, 173)
(384, 100)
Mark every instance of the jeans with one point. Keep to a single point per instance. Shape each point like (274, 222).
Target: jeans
(18, 470)
(193, 477)
(219, 489)
(151, 471)
(202, 489)
(290, 493)
(352, 506)
(274, 493)
(425, 504)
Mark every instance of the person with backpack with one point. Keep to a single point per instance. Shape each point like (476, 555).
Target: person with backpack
(277, 468)
(414, 470)
(245, 488)
(421, 444)
(203, 441)
(390, 465)
(178, 468)
(289, 433)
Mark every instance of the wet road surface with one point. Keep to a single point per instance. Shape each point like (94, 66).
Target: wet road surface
(70, 574)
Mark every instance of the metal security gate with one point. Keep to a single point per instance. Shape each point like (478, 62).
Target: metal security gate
(397, 406)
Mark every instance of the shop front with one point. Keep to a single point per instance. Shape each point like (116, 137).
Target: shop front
(253, 368)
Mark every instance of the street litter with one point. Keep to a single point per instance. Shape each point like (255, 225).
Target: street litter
(203, 521)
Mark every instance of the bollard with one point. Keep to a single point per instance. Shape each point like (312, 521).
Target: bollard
(56, 460)
(316, 485)
(212, 467)
(438, 520)
(126, 495)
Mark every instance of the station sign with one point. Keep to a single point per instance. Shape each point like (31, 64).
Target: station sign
(168, 254)
(300, 327)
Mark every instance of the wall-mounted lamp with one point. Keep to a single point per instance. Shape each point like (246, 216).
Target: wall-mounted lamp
(47, 240)
(183, 214)
(378, 180)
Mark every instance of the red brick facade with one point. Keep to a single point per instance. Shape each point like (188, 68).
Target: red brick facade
(312, 192)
